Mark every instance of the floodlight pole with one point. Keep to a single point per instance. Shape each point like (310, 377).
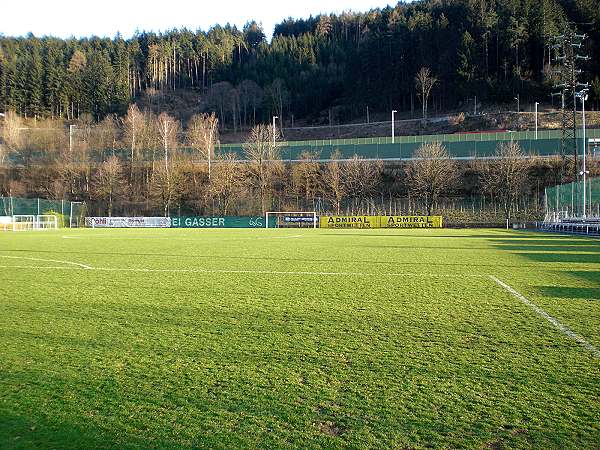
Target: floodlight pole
(536, 120)
(583, 97)
(393, 112)
(518, 99)
(274, 129)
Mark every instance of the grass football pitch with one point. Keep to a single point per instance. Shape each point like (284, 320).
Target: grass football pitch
(299, 339)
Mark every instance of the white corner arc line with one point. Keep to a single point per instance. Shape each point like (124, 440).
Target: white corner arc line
(28, 258)
(563, 328)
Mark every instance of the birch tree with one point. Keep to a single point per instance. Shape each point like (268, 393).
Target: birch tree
(424, 82)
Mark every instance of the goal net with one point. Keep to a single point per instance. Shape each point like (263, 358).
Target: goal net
(291, 219)
(46, 222)
(25, 222)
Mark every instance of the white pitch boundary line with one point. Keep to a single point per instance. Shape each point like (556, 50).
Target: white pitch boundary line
(563, 328)
(259, 272)
(28, 258)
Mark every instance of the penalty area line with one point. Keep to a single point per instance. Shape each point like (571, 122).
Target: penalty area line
(28, 258)
(540, 312)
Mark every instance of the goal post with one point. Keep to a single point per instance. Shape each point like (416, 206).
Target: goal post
(291, 219)
(23, 222)
(26, 222)
(46, 222)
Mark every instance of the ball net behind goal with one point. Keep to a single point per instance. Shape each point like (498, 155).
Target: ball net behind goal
(298, 219)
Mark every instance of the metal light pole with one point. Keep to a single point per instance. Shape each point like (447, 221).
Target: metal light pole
(274, 129)
(518, 99)
(393, 112)
(536, 120)
(71, 128)
(583, 96)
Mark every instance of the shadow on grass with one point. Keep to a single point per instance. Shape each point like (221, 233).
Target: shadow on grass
(570, 292)
(415, 236)
(551, 248)
(19, 432)
(581, 258)
(589, 275)
(551, 241)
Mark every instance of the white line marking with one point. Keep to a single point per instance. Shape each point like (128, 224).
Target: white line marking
(72, 237)
(83, 266)
(259, 272)
(563, 328)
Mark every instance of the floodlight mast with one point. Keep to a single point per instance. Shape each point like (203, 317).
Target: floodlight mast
(393, 133)
(583, 96)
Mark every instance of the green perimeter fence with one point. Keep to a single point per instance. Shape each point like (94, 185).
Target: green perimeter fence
(568, 198)
(70, 214)
(460, 145)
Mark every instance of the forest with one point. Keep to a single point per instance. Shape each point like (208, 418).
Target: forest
(492, 49)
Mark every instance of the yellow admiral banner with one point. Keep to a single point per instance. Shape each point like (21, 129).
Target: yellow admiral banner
(349, 222)
(380, 222)
(411, 221)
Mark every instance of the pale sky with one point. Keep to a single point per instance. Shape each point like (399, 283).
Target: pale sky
(81, 18)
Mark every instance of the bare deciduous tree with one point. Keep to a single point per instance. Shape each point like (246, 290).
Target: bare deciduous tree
(168, 128)
(133, 124)
(264, 161)
(251, 96)
(167, 185)
(306, 180)
(105, 136)
(504, 177)
(203, 136)
(219, 98)
(225, 183)
(424, 82)
(362, 178)
(11, 131)
(334, 181)
(279, 98)
(108, 181)
(431, 174)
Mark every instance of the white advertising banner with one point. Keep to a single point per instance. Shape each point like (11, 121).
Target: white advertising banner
(128, 222)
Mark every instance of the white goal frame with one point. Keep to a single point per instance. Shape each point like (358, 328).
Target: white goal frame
(46, 222)
(26, 222)
(281, 213)
(23, 222)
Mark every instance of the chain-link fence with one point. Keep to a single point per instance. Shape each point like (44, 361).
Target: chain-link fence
(70, 214)
(567, 199)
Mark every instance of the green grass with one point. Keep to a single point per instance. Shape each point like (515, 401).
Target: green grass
(303, 339)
